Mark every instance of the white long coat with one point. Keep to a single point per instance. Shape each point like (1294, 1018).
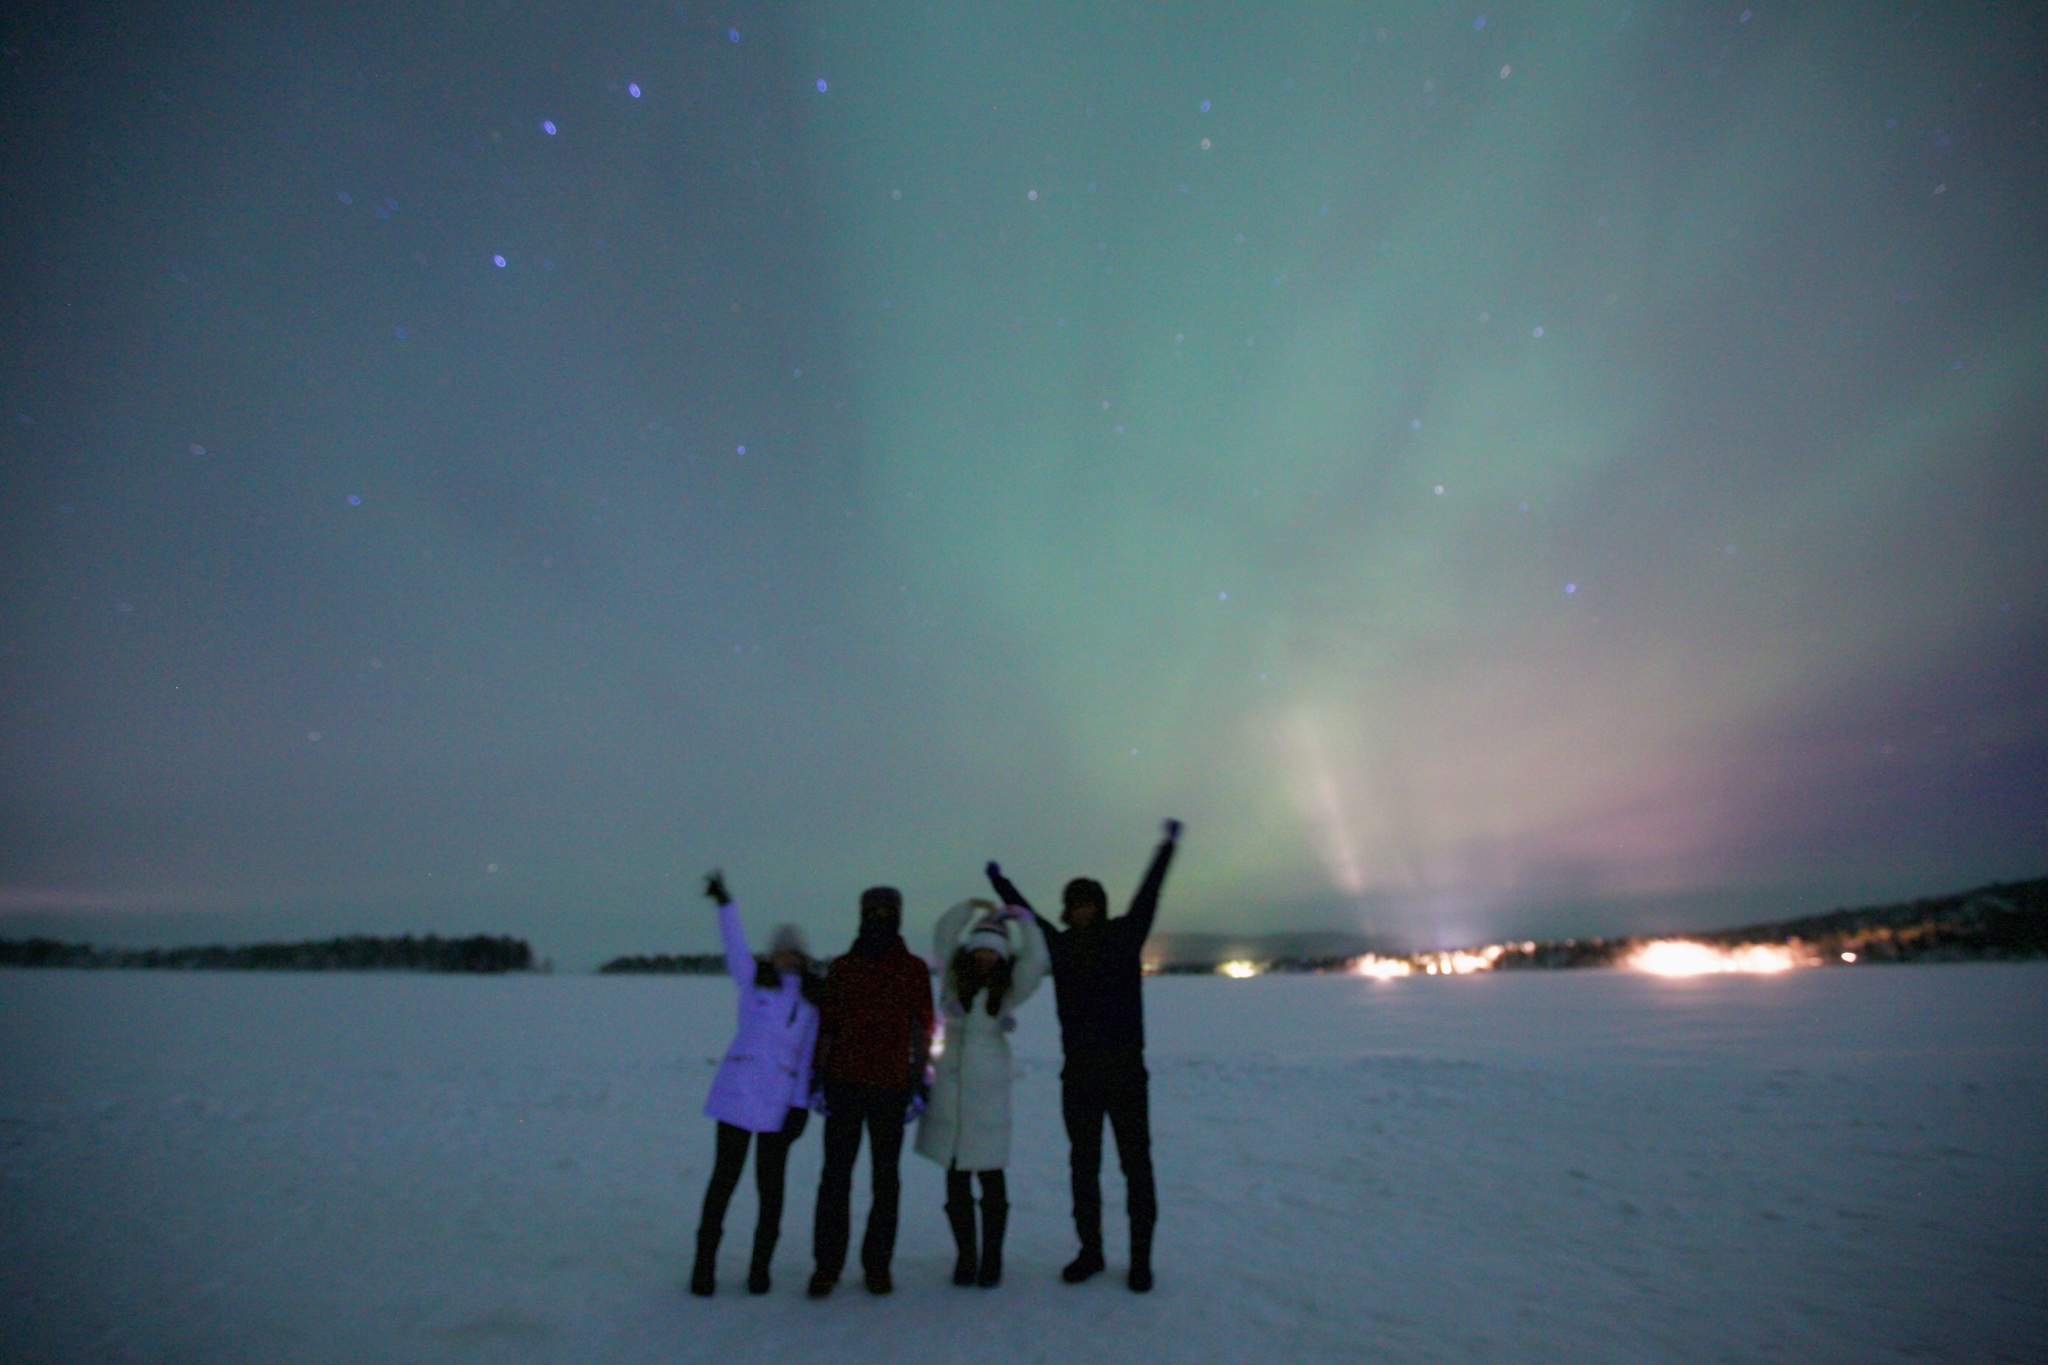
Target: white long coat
(966, 1125)
(767, 1070)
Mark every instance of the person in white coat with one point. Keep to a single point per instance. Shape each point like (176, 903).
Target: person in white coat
(762, 1087)
(994, 959)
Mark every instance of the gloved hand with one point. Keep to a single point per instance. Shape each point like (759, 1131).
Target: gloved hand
(714, 888)
(1173, 830)
(920, 1096)
(994, 868)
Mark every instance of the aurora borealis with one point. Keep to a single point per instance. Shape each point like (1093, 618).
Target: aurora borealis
(1528, 468)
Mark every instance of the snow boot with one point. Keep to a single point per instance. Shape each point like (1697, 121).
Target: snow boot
(1086, 1266)
(704, 1274)
(1141, 1260)
(995, 1220)
(765, 1239)
(966, 1266)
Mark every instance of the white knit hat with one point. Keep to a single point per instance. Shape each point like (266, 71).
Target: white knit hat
(988, 934)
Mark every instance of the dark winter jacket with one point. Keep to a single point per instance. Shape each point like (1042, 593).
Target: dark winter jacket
(1096, 972)
(876, 1010)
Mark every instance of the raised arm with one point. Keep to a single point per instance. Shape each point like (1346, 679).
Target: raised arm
(1031, 962)
(1010, 895)
(738, 961)
(952, 924)
(946, 938)
(1145, 904)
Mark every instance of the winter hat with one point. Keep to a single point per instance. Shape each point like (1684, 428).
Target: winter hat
(789, 939)
(988, 934)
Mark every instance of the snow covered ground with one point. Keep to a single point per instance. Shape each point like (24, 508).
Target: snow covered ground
(1840, 1165)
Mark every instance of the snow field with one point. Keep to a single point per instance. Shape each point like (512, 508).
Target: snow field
(1844, 1165)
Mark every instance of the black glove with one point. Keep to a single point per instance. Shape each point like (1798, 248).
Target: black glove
(1172, 831)
(994, 868)
(920, 1093)
(714, 888)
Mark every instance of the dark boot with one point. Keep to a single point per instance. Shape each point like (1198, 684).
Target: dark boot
(995, 1219)
(960, 1213)
(1086, 1266)
(1141, 1259)
(765, 1239)
(704, 1275)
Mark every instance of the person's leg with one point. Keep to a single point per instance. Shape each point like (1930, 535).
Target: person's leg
(995, 1220)
(1130, 1117)
(830, 1229)
(771, 1160)
(960, 1214)
(885, 1155)
(1081, 1107)
(730, 1158)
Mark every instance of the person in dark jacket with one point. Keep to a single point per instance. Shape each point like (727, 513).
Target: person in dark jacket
(1097, 981)
(874, 1040)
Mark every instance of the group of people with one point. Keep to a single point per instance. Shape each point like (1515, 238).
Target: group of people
(856, 1042)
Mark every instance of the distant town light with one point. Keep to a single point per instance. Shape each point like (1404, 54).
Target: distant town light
(1682, 957)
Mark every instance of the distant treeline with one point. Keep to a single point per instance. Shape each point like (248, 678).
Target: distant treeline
(687, 964)
(2005, 920)
(1999, 921)
(479, 953)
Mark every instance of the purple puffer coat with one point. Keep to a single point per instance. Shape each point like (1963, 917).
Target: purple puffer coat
(767, 1070)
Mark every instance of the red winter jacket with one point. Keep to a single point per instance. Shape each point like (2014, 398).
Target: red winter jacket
(877, 1010)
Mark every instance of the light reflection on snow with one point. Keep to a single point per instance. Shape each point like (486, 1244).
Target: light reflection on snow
(1682, 957)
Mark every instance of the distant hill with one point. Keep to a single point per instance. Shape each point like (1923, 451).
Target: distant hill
(2004, 919)
(479, 953)
(1999, 921)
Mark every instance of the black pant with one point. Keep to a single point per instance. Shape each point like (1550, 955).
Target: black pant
(995, 1190)
(849, 1108)
(1109, 1083)
(771, 1158)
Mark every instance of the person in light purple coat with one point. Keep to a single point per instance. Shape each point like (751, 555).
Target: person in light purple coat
(762, 1087)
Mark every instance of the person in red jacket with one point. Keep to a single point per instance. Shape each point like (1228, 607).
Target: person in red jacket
(874, 1039)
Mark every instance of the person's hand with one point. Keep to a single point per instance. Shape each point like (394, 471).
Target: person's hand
(994, 868)
(714, 888)
(1172, 830)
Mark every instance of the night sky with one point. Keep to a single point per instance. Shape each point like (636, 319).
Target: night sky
(1488, 468)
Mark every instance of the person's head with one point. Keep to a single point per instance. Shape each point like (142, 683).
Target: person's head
(1083, 903)
(983, 961)
(881, 907)
(987, 944)
(787, 950)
